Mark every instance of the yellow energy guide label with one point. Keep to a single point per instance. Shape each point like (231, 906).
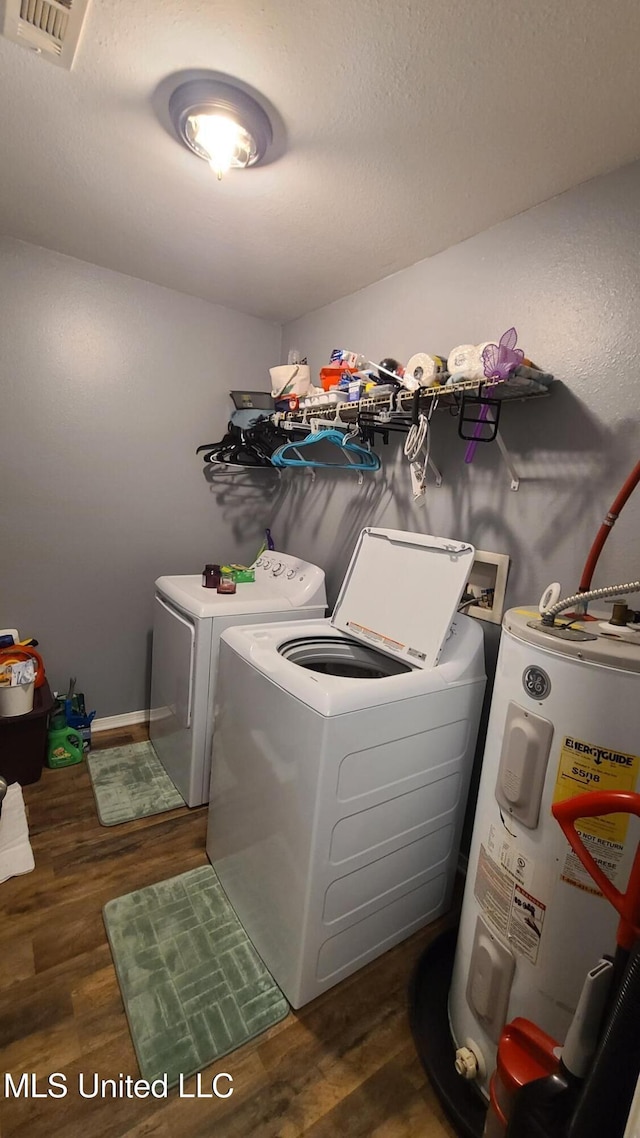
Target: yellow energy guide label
(584, 767)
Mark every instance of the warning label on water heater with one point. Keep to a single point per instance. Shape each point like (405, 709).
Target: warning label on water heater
(607, 855)
(513, 911)
(584, 767)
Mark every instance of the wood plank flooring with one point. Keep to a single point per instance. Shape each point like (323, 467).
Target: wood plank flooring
(344, 1065)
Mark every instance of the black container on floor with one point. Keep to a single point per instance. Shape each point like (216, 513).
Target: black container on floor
(23, 740)
(462, 1103)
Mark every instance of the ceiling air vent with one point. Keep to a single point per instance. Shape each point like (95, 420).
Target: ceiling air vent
(50, 27)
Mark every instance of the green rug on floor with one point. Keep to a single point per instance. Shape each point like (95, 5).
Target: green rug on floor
(193, 985)
(130, 782)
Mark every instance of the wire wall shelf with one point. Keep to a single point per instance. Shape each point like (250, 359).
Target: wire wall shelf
(476, 405)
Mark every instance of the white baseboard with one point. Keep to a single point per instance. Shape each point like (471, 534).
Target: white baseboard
(129, 719)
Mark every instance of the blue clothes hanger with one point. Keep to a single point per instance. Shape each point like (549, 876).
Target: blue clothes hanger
(354, 457)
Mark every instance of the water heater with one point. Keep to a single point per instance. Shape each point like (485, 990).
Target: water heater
(565, 718)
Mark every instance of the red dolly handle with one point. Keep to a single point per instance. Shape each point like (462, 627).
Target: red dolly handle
(591, 805)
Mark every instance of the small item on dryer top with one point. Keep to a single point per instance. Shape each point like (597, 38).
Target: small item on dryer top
(211, 577)
(242, 574)
(227, 585)
(268, 543)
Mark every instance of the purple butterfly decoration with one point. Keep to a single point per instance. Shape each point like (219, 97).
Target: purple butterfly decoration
(501, 359)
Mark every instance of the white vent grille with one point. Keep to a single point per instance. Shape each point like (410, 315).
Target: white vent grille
(50, 27)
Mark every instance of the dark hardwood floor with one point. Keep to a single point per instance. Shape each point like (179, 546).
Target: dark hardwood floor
(342, 1066)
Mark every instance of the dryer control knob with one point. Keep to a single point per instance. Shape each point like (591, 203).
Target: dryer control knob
(265, 563)
(291, 574)
(278, 569)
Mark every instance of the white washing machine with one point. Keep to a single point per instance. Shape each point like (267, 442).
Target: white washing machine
(188, 620)
(341, 763)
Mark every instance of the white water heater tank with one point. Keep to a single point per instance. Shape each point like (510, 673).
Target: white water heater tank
(565, 719)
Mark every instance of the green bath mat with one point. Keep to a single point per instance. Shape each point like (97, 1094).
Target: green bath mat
(193, 985)
(130, 782)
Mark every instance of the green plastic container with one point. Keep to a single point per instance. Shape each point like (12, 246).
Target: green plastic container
(64, 747)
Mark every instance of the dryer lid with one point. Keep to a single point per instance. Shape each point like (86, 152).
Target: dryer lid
(401, 591)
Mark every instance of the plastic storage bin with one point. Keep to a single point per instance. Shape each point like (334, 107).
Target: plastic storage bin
(330, 376)
(23, 740)
(16, 700)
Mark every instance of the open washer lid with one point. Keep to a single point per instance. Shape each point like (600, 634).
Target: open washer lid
(401, 591)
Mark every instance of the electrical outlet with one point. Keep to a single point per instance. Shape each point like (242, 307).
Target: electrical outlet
(488, 582)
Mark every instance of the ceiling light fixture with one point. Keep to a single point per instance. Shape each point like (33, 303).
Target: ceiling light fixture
(220, 123)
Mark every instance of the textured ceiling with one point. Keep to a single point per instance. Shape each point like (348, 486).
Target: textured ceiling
(409, 125)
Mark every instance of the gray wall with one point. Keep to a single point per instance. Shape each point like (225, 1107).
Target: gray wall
(107, 385)
(566, 275)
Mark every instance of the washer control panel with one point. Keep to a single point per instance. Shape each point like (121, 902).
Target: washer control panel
(274, 564)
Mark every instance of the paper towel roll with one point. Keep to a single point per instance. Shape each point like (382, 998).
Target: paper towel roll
(422, 370)
(465, 361)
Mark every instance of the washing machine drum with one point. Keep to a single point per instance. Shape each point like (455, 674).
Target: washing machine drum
(339, 656)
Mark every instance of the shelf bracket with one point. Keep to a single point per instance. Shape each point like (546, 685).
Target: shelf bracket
(436, 473)
(506, 458)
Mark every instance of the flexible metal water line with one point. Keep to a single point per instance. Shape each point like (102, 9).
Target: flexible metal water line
(592, 595)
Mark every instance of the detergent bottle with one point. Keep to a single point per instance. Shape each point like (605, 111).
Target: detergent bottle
(64, 747)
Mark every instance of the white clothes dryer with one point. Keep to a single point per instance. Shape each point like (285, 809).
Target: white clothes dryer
(341, 763)
(188, 620)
